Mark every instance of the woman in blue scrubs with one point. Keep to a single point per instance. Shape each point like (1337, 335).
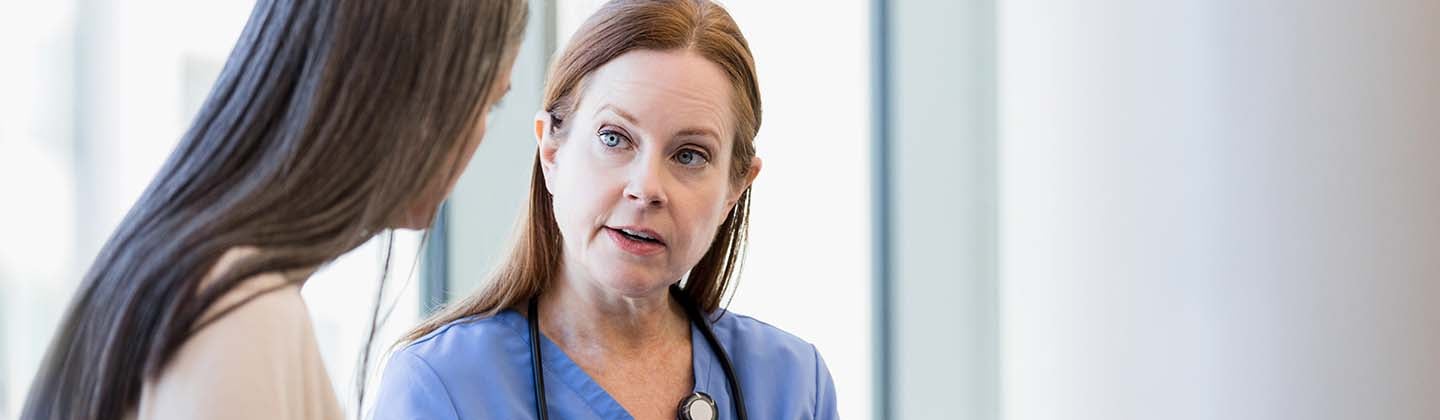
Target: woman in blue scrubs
(608, 306)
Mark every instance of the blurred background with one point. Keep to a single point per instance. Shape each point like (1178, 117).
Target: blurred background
(975, 209)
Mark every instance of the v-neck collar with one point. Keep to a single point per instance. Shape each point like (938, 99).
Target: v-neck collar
(559, 368)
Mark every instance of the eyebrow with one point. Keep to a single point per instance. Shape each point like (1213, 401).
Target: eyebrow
(630, 118)
(698, 132)
(624, 115)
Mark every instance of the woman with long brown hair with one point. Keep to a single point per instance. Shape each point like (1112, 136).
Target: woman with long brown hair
(331, 121)
(609, 304)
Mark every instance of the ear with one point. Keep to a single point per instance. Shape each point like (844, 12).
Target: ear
(542, 122)
(740, 187)
(548, 147)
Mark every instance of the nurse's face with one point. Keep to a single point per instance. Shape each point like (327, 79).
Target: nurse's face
(641, 170)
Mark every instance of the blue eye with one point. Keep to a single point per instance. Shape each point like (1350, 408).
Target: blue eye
(611, 138)
(690, 157)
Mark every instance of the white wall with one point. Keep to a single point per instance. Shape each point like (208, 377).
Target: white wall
(807, 270)
(35, 240)
(942, 179)
(1220, 209)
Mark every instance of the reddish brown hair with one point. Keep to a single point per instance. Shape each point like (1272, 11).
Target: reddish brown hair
(619, 27)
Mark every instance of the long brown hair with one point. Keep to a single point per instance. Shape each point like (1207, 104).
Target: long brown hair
(329, 118)
(622, 26)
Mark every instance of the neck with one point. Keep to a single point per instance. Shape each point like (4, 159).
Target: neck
(585, 316)
(228, 259)
(300, 275)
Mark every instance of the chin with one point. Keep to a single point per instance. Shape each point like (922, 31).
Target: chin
(412, 224)
(414, 219)
(634, 282)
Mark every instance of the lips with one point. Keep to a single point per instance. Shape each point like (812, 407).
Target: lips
(640, 233)
(636, 240)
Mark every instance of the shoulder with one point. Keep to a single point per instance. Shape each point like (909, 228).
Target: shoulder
(262, 314)
(258, 337)
(463, 340)
(751, 338)
(460, 370)
(772, 362)
(259, 298)
(262, 299)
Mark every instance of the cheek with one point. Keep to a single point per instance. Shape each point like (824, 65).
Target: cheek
(702, 213)
(582, 194)
(461, 161)
(473, 144)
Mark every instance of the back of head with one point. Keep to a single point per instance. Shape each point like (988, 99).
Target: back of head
(618, 27)
(329, 116)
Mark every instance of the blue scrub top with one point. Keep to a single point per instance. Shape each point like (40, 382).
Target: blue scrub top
(479, 368)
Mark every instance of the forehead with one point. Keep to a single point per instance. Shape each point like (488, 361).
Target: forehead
(662, 90)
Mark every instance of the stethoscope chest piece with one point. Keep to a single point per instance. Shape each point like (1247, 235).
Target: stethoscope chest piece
(698, 406)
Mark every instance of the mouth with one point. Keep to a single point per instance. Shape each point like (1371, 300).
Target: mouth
(636, 240)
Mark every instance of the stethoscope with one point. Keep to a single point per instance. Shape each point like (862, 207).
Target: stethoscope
(697, 406)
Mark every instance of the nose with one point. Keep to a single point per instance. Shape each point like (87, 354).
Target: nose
(646, 186)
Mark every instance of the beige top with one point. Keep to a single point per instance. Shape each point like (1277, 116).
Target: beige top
(260, 361)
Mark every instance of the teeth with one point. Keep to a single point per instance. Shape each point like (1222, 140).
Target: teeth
(637, 234)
